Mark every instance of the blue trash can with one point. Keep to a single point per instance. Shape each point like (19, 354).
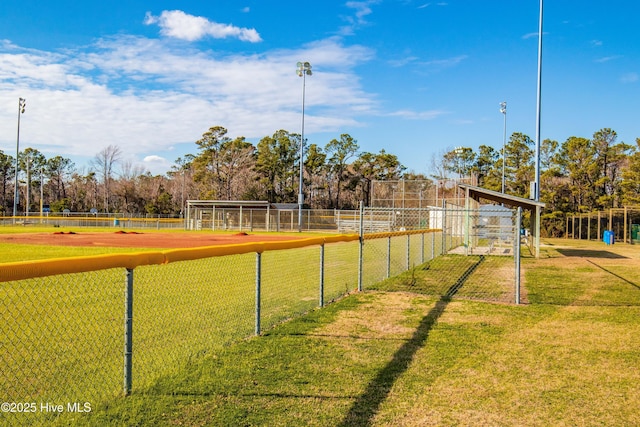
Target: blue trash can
(116, 222)
(608, 237)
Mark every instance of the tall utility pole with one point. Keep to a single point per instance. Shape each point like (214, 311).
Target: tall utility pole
(536, 195)
(22, 103)
(503, 110)
(536, 191)
(303, 70)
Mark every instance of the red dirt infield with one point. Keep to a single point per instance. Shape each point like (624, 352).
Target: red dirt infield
(128, 239)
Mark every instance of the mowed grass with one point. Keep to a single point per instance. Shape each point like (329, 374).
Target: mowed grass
(63, 335)
(568, 357)
(398, 357)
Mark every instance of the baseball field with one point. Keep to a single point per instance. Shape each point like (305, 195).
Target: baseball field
(398, 355)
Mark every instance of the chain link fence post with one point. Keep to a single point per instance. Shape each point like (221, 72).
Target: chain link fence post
(361, 246)
(516, 253)
(444, 227)
(408, 252)
(388, 257)
(128, 332)
(321, 275)
(258, 284)
(433, 246)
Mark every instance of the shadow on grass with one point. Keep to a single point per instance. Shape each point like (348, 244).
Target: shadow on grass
(368, 403)
(614, 274)
(589, 253)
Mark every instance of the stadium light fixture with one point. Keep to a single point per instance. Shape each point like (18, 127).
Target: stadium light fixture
(303, 70)
(503, 110)
(22, 103)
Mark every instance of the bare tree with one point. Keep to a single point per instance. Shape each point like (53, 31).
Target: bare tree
(104, 163)
(339, 152)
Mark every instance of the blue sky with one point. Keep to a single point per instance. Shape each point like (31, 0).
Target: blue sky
(415, 78)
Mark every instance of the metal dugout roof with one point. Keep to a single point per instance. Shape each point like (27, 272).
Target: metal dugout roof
(477, 193)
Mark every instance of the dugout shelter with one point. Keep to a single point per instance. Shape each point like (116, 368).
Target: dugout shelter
(477, 194)
(227, 214)
(241, 215)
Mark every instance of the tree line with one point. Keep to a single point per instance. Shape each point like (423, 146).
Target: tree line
(578, 175)
(223, 168)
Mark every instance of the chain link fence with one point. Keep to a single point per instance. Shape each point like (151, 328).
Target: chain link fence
(71, 342)
(87, 219)
(60, 341)
(476, 256)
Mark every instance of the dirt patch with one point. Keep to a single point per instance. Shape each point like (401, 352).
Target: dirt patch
(127, 239)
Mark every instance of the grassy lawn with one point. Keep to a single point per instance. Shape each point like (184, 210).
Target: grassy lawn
(567, 357)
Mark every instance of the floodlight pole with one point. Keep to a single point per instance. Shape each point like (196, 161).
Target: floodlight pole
(538, 107)
(303, 70)
(503, 110)
(41, 192)
(22, 103)
(536, 194)
(459, 151)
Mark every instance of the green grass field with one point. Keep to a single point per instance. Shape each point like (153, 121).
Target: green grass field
(569, 357)
(397, 356)
(63, 335)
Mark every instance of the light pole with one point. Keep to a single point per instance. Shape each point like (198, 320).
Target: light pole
(41, 192)
(22, 103)
(182, 195)
(303, 70)
(459, 152)
(420, 205)
(403, 213)
(28, 201)
(536, 192)
(393, 197)
(503, 110)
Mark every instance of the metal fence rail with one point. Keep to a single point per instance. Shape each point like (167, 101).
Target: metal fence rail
(69, 326)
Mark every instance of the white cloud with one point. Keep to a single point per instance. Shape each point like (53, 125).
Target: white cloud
(362, 9)
(156, 164)
(180, 25)
(403, 61)
(629, 78)
(154, 159)
(447, 62)
(608, 58)
(418, 115)
(149, 96)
